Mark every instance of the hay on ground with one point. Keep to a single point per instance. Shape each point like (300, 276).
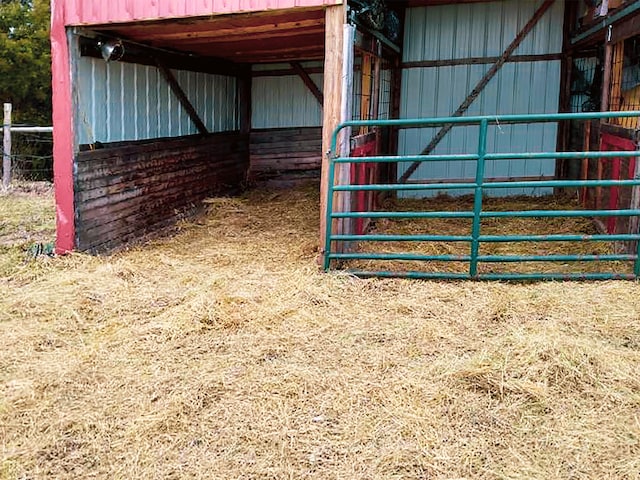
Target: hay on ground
(223, 352)
(490, 226)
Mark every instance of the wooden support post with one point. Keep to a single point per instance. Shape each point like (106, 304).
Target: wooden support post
(308, 81)
(244, 101)
(566, 69)
(335, 18)
(182, 97)
(396, 98)
(604, 103)
(6, 147)
(243, 95)
(464, 106)
(375, 94)
(365, 93)
(64, 51)
(564, 127)
(615, 97)
(606, 73)
(344, 202)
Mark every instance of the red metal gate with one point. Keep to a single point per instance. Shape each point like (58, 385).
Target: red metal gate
(364, 174)
(617, 169)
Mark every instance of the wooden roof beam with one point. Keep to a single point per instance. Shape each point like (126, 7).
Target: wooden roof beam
(272, 35)
(233, 31)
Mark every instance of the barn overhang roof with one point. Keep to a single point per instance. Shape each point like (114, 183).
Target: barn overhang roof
(268, 36)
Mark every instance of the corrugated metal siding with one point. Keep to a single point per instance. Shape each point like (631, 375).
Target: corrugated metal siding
(481, 30)
(80, 12)
(285, 101)
(120, 101)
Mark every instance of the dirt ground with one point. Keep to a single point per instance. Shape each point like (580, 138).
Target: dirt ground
(222, 352)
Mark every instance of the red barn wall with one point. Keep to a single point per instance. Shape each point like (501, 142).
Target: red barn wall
(83, 12)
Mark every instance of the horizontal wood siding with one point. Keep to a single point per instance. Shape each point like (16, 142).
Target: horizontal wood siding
(280, 151)
(125, 192)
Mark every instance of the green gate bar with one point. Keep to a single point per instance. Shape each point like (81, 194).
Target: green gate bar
(479, 186)
(477, 198)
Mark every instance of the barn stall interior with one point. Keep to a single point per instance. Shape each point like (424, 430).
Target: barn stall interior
(166, 108)
(167, 112)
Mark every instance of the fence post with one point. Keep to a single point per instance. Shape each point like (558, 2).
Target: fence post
(6, 147)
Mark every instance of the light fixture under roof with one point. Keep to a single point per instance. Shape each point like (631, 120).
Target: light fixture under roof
(111, 50)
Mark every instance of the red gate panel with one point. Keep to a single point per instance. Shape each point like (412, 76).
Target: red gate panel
(364, 174)
(616, 168)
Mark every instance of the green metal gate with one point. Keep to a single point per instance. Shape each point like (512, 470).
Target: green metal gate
(336, 240)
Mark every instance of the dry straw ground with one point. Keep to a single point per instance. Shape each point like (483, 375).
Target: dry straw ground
(492, 226)
(222, 352)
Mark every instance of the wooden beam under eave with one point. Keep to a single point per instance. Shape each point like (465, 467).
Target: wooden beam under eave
(290, 35)
(300, 43)
(258, 31)
(335, 18)
(147, 55)
(226, 20)
(434, 3)
(279, 58)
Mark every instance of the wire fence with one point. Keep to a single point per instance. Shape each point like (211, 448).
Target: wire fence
(31, 155)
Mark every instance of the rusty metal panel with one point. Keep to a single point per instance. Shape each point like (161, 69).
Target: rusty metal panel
(481, 30)
(87, 12)
(120, 101)
(285, 101)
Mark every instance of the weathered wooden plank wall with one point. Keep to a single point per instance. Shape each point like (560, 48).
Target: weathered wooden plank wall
(126, 192)
(280, 151)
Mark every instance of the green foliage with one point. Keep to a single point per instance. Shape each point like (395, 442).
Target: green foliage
(25, 59)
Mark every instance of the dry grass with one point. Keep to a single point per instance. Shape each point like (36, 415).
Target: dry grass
(223, 353)
(26, 218)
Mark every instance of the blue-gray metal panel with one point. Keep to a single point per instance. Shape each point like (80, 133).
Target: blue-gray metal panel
(479, 30)
(122, 101)
(285, 101)
(471, 30)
